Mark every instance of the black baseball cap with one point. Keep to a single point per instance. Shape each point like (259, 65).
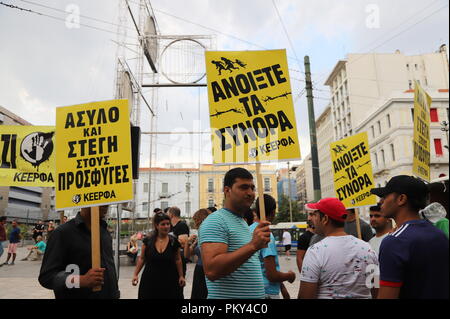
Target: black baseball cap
(403, 184)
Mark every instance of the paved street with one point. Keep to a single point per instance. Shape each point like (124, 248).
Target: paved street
(20, 281)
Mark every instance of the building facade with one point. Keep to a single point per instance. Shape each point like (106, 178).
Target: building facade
(325, 137)
(166, 187)
(304, 181)
(211, 182)
(363, 82)
(391, 130)
(25, 204)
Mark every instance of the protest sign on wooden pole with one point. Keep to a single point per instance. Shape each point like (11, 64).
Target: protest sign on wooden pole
(259, 185)
(95, 240)
(358, 224)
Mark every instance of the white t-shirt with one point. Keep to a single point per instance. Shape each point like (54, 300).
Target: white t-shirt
(287, 238)
(375, 243)
(338, 264)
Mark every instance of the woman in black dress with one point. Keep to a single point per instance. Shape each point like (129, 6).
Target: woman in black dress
(162, 277)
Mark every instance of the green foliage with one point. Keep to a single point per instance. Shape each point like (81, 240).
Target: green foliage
(283, 214)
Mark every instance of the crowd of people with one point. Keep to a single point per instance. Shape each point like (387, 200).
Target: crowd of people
(40, 234)
(338, 256)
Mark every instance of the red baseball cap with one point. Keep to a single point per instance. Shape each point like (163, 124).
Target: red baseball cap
(332, 207)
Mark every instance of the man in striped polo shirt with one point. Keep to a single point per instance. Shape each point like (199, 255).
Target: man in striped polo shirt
(228, 247)
(414, 260)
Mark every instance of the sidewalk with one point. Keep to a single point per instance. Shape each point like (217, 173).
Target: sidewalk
(20, 281)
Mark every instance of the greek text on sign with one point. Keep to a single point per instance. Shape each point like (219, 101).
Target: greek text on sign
(251, 109)
(93, 154)
(352, 169)
(421, 141)
(27, 156)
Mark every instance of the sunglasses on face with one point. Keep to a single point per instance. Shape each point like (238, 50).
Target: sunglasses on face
(375, 215)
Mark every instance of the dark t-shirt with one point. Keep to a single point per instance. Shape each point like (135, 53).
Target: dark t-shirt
(14, 236)
(181, 228)
(303, 240)
(39, 230)
(416, 258)
(366, 230)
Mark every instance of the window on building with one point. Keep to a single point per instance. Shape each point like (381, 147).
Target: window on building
(410, 84)
(145, 187)
(266, 184)
(426, 81)
(375, 155)
(382, 157)
(393, 152)
(389, 120)
(416, 66)
(164, 205)
(407, 66)
(144, 206)
(165, 188)
(438, 147)
(210, 185)
(210, 202)
(373, 131)
(379, 127)
(434, 115)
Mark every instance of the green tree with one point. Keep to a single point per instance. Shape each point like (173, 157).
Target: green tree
(283, 214)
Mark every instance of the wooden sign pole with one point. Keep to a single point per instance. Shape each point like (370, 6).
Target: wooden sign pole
(358, 224)
(95, 240)
(259, 185)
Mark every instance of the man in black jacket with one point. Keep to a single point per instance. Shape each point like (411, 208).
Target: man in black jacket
(66, 267)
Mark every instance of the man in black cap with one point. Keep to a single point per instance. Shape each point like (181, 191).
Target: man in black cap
(414, 260)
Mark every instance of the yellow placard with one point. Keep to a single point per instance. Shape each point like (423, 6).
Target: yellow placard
(421, 142)
(251, 108)
(352, 167)
(93, 158)
(27, 156)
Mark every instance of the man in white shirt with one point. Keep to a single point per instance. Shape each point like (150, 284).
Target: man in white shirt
(340, 265)
(381, 224)
(287, 242)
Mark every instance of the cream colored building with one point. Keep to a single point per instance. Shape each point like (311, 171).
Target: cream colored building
(362, 82)
(211, 182)
(324, 131)
(391, 128)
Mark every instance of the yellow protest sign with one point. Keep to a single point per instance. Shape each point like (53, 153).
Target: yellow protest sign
(251, 109)
(352, 167)
(93, 159)
(421, 157)
(27, 156)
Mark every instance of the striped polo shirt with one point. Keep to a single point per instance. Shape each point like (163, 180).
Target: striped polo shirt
(246, 282)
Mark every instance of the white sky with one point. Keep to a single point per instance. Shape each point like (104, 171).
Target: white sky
(45, 64)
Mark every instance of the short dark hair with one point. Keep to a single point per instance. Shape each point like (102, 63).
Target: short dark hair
(269, 205)
(351, 210)
(212, 209)
(334, 223)
(2, 218)
(166, 209)
(232, 174)
(175, 211)
(376, 208)
(157, 210)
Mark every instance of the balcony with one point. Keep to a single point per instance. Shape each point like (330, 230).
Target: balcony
(163, 194)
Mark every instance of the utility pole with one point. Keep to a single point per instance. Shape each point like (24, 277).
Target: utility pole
(312, 131)
(188, 190)
(289, 190)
